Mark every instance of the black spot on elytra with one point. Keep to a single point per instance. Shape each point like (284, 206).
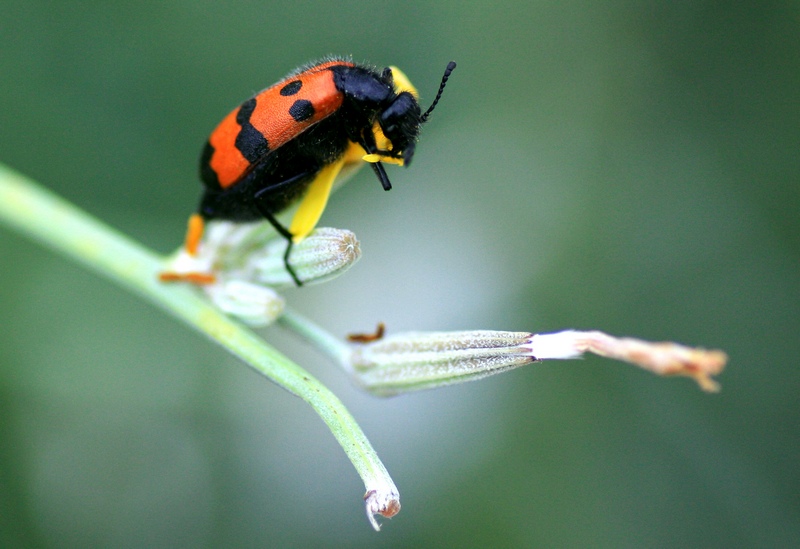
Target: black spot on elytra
(250, 142)
(291, 88)
(302, 109)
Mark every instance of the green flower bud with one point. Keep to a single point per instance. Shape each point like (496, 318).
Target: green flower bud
(253, 304)
(324, 254)
(422, 360)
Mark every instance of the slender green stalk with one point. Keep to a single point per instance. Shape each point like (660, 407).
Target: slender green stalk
(338, 351)
(43, 216)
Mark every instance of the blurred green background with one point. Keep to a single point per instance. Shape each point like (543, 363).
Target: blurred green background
(625, 166)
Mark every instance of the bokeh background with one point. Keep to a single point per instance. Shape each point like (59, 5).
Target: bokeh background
(625, 166)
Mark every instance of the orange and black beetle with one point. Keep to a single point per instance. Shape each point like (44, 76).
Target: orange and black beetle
(289, 142)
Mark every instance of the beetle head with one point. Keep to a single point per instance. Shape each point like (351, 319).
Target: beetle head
(400, 124)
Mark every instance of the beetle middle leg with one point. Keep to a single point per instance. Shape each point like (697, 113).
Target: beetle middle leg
(261, 200)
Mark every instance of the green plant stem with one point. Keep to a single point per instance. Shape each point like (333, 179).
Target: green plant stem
(314, 334)
(43, 216)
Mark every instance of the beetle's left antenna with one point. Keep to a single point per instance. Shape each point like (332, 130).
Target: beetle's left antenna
(450, 66)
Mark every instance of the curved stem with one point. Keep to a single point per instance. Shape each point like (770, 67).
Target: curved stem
(47, 218)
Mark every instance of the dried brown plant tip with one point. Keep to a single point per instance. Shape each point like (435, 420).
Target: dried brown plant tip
(386, 504)
(663, 358)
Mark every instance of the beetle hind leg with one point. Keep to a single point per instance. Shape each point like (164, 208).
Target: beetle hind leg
(194, 235)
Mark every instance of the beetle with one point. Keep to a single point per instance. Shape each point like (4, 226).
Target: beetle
(290, 142)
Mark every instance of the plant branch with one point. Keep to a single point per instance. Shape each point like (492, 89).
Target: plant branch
(39, 214)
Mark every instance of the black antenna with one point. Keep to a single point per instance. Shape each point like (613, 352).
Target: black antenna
(450, 66)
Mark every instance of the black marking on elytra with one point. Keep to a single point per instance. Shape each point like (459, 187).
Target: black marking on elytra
(301, 110)
(207, 174)
(250, 142)
(291, 88)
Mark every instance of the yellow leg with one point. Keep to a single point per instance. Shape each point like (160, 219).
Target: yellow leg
(314, 202)
(194, 233)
